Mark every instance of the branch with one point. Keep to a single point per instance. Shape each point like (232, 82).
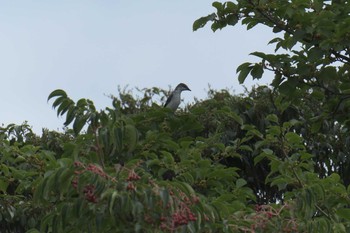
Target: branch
(343, 58)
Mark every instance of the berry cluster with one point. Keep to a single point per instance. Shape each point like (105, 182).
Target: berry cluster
(183, 217)
(191, 200)
(179, 218)
(131, 187)
(182, 214)
(133, 176)
(89, 192)
(75, 182)
(264, 218)
(261, 218)
(91, 167)
(78, 164)
(97, 170)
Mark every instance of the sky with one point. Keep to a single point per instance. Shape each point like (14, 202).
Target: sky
(89, 48)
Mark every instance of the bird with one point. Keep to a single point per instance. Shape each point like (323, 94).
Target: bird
(174, 98)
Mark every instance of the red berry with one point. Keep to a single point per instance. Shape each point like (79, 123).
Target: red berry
(89, 192)
(133, 176)
(131, 187)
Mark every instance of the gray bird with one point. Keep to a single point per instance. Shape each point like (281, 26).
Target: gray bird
(174, 99)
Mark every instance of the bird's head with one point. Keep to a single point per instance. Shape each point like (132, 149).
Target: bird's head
(182, 87)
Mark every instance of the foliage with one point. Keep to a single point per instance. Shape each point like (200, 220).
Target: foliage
(314, 36)
(304, 139)
(243, 166)
(270, 160)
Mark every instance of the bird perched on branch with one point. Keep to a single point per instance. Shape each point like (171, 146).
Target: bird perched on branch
(174, 99)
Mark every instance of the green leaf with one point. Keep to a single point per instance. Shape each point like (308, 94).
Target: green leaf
(235, 117)
(240, 182)
(272, 118)
(280, 182)
(119, 137)
(268, 151)
(65, 213)
(259, 54)
(82, 103)
(164, 195)
(344, 213)
(201, 22)
(230, 7)
(79, 123)
(112, 200)
(4, 183)
(246, 148)
(58, 101)
(243, 70)
(289, 87)
(57, 92)
(4, 169)
(187, 177)
(216, 25)
(70, 115)
(258, 158)
(328, 73)
(168, 157)
(315, 54)
(257, 71)
(275, 40)
(232, 20)
(130, 137)
(33, 230)
(218, 5)
(64, 106)
(293, 138)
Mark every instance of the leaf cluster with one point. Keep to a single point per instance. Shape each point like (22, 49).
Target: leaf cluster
(228, 163)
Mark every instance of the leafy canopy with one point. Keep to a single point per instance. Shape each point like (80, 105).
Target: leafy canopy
(275, 159)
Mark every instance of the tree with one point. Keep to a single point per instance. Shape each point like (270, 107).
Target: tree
(315, 41)
(270, 160)
(311, 76)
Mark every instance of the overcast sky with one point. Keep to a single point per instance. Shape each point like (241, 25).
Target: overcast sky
(88, 48)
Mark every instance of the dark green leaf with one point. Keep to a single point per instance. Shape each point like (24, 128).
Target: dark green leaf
(164, 195)
(236, 117)
(79, 123)
(218, 5)
(201, 22)
(3, 185)
(243, 70)
(57, 92)
(240, 183)
(257, 71)
(293, 138)
(70, 115)
(344, 213)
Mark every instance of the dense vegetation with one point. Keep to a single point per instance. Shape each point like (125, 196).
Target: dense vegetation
(275, 159)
